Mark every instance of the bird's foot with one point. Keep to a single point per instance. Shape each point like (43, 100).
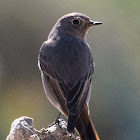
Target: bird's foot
(56, 121)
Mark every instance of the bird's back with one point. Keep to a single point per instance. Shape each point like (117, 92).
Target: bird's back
(69, 58)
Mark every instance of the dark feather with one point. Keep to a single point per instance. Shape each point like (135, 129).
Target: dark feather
(72, 68)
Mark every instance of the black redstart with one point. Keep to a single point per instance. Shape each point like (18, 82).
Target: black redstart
(66, 66)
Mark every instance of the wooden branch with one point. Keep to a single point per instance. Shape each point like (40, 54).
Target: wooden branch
(23, 129)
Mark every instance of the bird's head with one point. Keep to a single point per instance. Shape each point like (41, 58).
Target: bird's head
(76, 24)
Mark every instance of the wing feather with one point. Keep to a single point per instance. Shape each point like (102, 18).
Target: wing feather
(76, 94)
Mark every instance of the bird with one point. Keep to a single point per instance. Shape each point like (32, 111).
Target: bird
(66, 64)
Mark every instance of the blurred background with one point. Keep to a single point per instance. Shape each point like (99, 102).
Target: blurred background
(115, 100)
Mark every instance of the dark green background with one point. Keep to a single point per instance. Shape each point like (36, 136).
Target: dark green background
(115, 100)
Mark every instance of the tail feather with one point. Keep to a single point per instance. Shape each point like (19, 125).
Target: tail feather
(85, 127)
(72, 120)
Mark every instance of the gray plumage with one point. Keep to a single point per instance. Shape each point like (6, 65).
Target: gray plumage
(66, 66)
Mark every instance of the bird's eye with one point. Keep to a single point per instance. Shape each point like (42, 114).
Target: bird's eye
(75, 22)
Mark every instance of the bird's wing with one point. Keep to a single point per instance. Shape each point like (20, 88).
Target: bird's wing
(76, 96)
(44, 59)
(75, 99)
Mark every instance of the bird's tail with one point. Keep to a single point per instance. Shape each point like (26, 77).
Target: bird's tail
(85, 127)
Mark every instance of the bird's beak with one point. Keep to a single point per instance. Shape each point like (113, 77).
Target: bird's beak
(93, 23)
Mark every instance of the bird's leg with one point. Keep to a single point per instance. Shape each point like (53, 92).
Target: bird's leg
(56, 121)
